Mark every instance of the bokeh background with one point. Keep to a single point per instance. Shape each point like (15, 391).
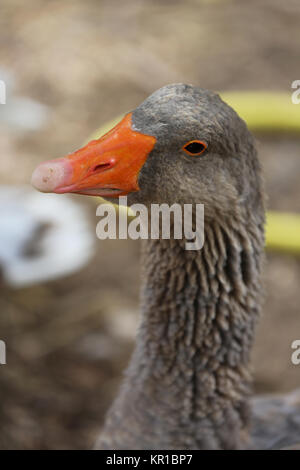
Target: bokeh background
(71, 66)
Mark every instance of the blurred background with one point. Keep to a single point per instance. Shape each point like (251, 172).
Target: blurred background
(70, 66)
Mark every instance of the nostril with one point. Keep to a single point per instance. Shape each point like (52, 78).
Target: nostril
(101, 167)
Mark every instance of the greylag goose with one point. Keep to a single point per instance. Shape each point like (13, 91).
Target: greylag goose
(188, 384)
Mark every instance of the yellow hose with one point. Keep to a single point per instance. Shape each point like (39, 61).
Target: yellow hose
(283, 232)
(263, 112)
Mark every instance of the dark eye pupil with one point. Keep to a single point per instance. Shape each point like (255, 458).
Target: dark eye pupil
(195, 147)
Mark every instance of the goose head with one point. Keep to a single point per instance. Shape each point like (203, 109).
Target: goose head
(183, 144)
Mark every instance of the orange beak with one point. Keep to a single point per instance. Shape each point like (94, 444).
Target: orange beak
(108, 166)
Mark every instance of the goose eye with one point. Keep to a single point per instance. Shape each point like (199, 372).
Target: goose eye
(194, 147)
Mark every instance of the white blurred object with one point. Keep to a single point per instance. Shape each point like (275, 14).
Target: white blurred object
(21, 113)
(42, 236)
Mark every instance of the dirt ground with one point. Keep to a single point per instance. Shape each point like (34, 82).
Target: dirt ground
(68, 340)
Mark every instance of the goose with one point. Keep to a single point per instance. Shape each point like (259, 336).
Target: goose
(188, 384)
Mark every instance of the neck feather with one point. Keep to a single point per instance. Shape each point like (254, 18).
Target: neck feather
(188, 381)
